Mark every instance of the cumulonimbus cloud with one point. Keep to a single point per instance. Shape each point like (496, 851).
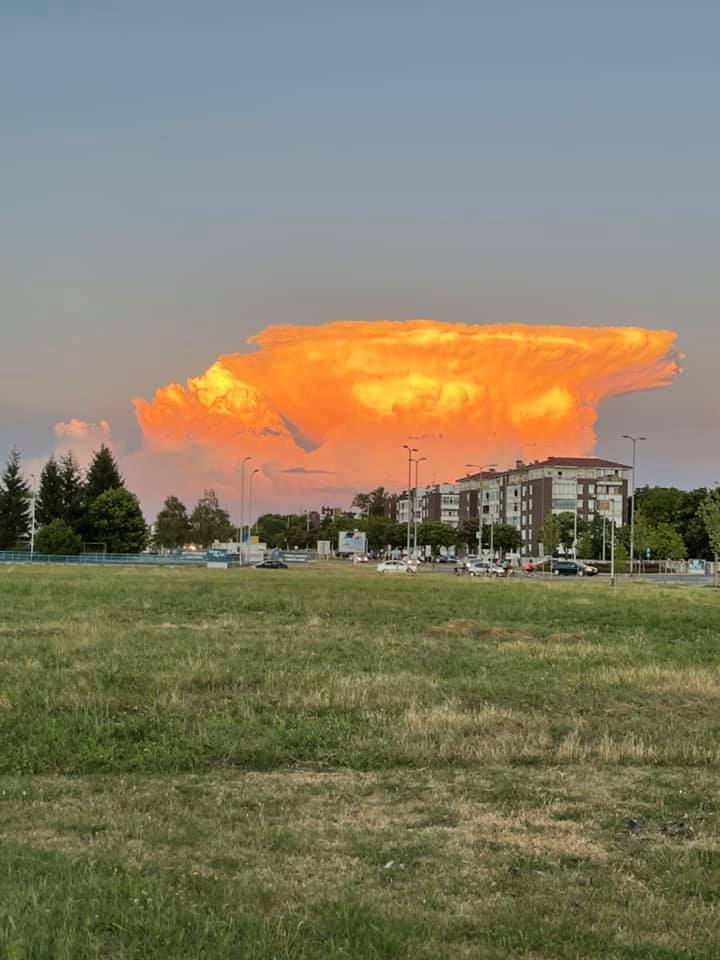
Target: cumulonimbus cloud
(343, 398)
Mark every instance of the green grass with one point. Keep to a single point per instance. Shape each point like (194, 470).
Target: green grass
(325, 763)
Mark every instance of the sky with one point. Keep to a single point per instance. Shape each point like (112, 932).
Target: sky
(178, 177)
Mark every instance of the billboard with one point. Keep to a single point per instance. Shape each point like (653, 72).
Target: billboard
(352, 542)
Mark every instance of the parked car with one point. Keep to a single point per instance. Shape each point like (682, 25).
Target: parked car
(395, 566)
(573, 568)
(485, 568)
(271, 565)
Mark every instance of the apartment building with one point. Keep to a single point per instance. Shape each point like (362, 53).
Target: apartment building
(524, 496)
(437, 503)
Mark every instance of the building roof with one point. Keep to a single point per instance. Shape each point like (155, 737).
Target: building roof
(577, 462)
(588, 462)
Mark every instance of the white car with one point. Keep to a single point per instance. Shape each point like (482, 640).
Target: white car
(394, 566)
(485, 568)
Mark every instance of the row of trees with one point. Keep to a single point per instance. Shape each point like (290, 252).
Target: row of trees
(682, 512)
(94, 507)
(208, 522)
(294, 530)
(71, 508)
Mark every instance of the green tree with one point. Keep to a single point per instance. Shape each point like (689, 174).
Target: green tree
(550, 534)
(467, 534)
(14, 504)
(643, 534)
(691, 526)
(373, 504)
(103, 474)
(272, 529)
(621, 559)
(209, 522)
(73, 494)
(58, 537)
(666, 543)
(567, 520)
(172, 525)
(590, 543)
(657, 504)
(436, 535)
(506, 537)
(117, 521)
(710, 512)
(378, 529)
(49, 505)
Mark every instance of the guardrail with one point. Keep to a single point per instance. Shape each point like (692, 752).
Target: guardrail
(103, 559)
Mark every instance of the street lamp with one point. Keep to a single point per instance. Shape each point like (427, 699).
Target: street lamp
(635, 441)
(242, 507)
(481, 516)
(411, 451)
(32, 516)
(418, 461)
(250, 504)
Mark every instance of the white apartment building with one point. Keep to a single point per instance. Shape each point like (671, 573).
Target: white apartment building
(525, 495)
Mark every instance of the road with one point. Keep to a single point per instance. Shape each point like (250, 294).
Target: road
(669, 579)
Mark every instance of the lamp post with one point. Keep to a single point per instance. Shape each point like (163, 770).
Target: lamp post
(411, 451)
(242, 508)
(481, 517)
(635, 441)
(32, 516)
(612, 545)
(250, 505)
(417, 461)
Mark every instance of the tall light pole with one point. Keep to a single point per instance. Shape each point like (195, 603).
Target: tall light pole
(612, 545)
(411, 451)
(481, 516)
(32, 516)
(417, 461)
(635, 441)
(250, 505)
(242, 508)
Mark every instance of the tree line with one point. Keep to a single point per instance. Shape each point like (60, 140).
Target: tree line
(72, 507)
(94, 509)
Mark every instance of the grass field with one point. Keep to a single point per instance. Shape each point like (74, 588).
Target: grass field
(322, 763)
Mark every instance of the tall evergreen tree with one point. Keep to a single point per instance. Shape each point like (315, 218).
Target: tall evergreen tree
(73, 497)
(103, 474)
(117, 521)
(49, 505)
(14, 504)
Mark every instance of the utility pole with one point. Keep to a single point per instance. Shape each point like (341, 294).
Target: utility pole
(635, 441)
(411, 451)
(242, 509)
(576, 522)
(481, 515)
(32, 516)
(612, 545)
(417, 461)
(250, 506)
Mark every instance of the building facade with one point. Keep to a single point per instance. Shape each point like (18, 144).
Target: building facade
(525, 495)
(437, 503)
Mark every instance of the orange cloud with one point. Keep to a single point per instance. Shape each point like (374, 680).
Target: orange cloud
(327, 408)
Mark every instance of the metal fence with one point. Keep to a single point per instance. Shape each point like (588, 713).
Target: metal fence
(106, 559)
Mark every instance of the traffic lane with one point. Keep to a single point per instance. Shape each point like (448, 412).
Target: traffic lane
(674, 579)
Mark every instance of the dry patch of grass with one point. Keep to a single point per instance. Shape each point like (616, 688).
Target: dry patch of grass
(488, 734)
(700, 681)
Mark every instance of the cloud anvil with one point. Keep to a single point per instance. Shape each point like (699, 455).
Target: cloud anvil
(340, 398)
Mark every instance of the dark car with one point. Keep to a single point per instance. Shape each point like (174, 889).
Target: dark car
(271, 565)
(572, 568)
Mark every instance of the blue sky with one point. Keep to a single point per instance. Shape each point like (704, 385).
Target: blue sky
(177, 176)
